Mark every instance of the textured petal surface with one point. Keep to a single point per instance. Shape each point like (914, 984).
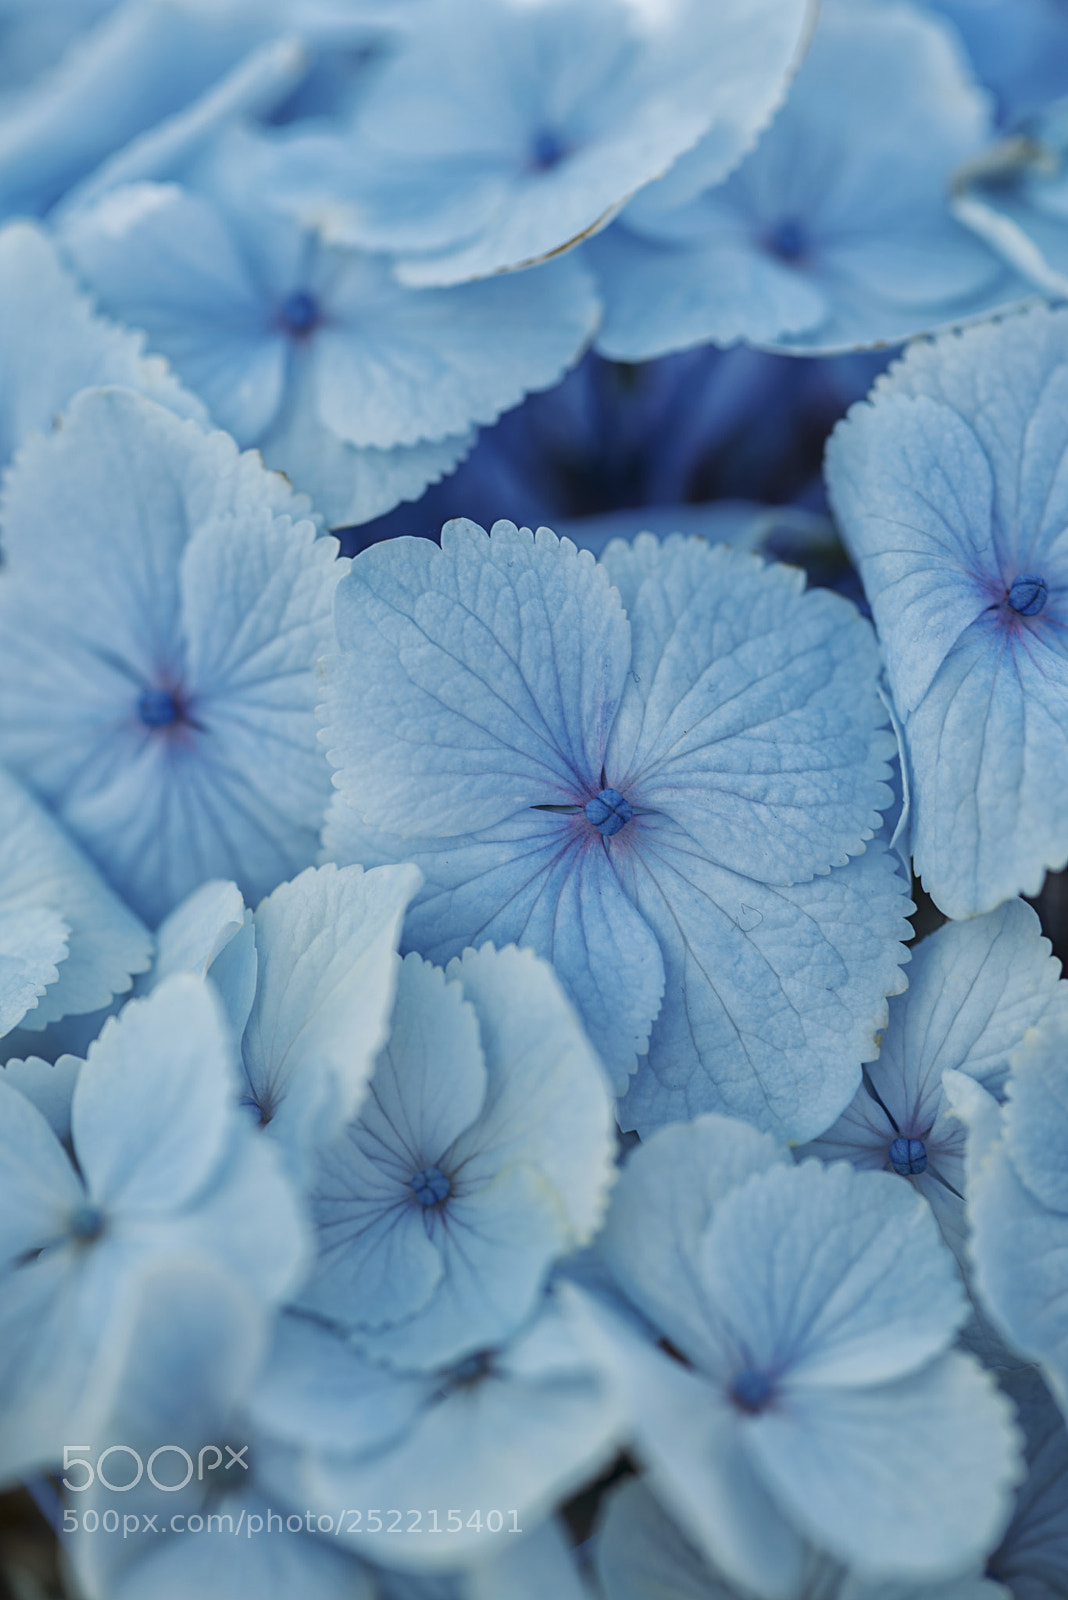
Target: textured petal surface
(473, 679)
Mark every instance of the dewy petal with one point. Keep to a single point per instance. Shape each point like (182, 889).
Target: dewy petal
(326, 945)
(53, 346)
(661, 1207)
(529, 881)
(151, 1114)
(911, 1479)
(44, 876)
(186, 572)
(751, 715)
(806, 1266)
(473, 679)
(774, 996)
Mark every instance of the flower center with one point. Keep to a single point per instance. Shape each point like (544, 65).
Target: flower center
(547, 150)
(85, 1223)
(608, 812)
(431, 1187)
(1028, 595)
(788, 239)
(751, 1390)
(299, 312)
(159, 708)
(908, 1157)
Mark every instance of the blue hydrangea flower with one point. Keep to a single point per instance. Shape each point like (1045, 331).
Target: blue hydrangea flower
(67, 943)
(484, 1151)
(501, 134)
(168, 1176)
(360, 389)
(949, 491)
(52, 345)
(835, 232)
(500, 709)
(335, 1429)
(641, 1554)
(809, 1394)
(307, 983)
(1016, 1173)
(163, 605)
(974, 989)
(1032, 1559)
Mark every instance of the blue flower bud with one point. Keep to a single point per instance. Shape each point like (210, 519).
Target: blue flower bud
(299, 312)
(908, 1157)
(158, 708)
(751, 1390)
(608, 812)
(1028, 595)
(431, 1187)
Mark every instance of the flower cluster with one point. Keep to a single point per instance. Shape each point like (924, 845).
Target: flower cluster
(526, 1068)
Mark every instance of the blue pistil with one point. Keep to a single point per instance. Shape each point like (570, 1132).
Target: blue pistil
(158, 708)
(299, 312)
(1028, 595)
(86, 1223)
(751, 1390)
(908, 1157)
(788, 240)
(608, 812)
(431, 1187)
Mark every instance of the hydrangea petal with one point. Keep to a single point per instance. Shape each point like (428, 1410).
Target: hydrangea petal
(326, 945)
(40, 1187)
(178, 1099)
(490, 668)
(750, 715)
(211, 933)
(519, 883)
(738, 1031)
(913, 1478)
(33, 943)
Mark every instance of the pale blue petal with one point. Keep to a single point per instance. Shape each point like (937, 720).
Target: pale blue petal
(397, 367)
(520, 883)
(1033, 1556)
(150, 1116)
(53, 345)
(48, 1085)
(39, 1186)
(911, 1479)
(473, 679)
(751, 715)
(44, 877)
(774, 996)
(326, 946)
(33, 944)
(212, 933)
(804, 1266)
(661, 1207)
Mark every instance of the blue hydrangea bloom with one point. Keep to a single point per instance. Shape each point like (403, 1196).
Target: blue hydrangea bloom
(835, 232)
(642, 1555)
(168, 1175)
(163, 605)
(52, 345)
(67, 942)
(484, 1151)
(809, 1399)
(335, 1429)
(974, 989)
(501, 134)
(361, 390)
(1032, 1559)
(307, 983)
(1017, 1190)
(485, 697)
(950, 494)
